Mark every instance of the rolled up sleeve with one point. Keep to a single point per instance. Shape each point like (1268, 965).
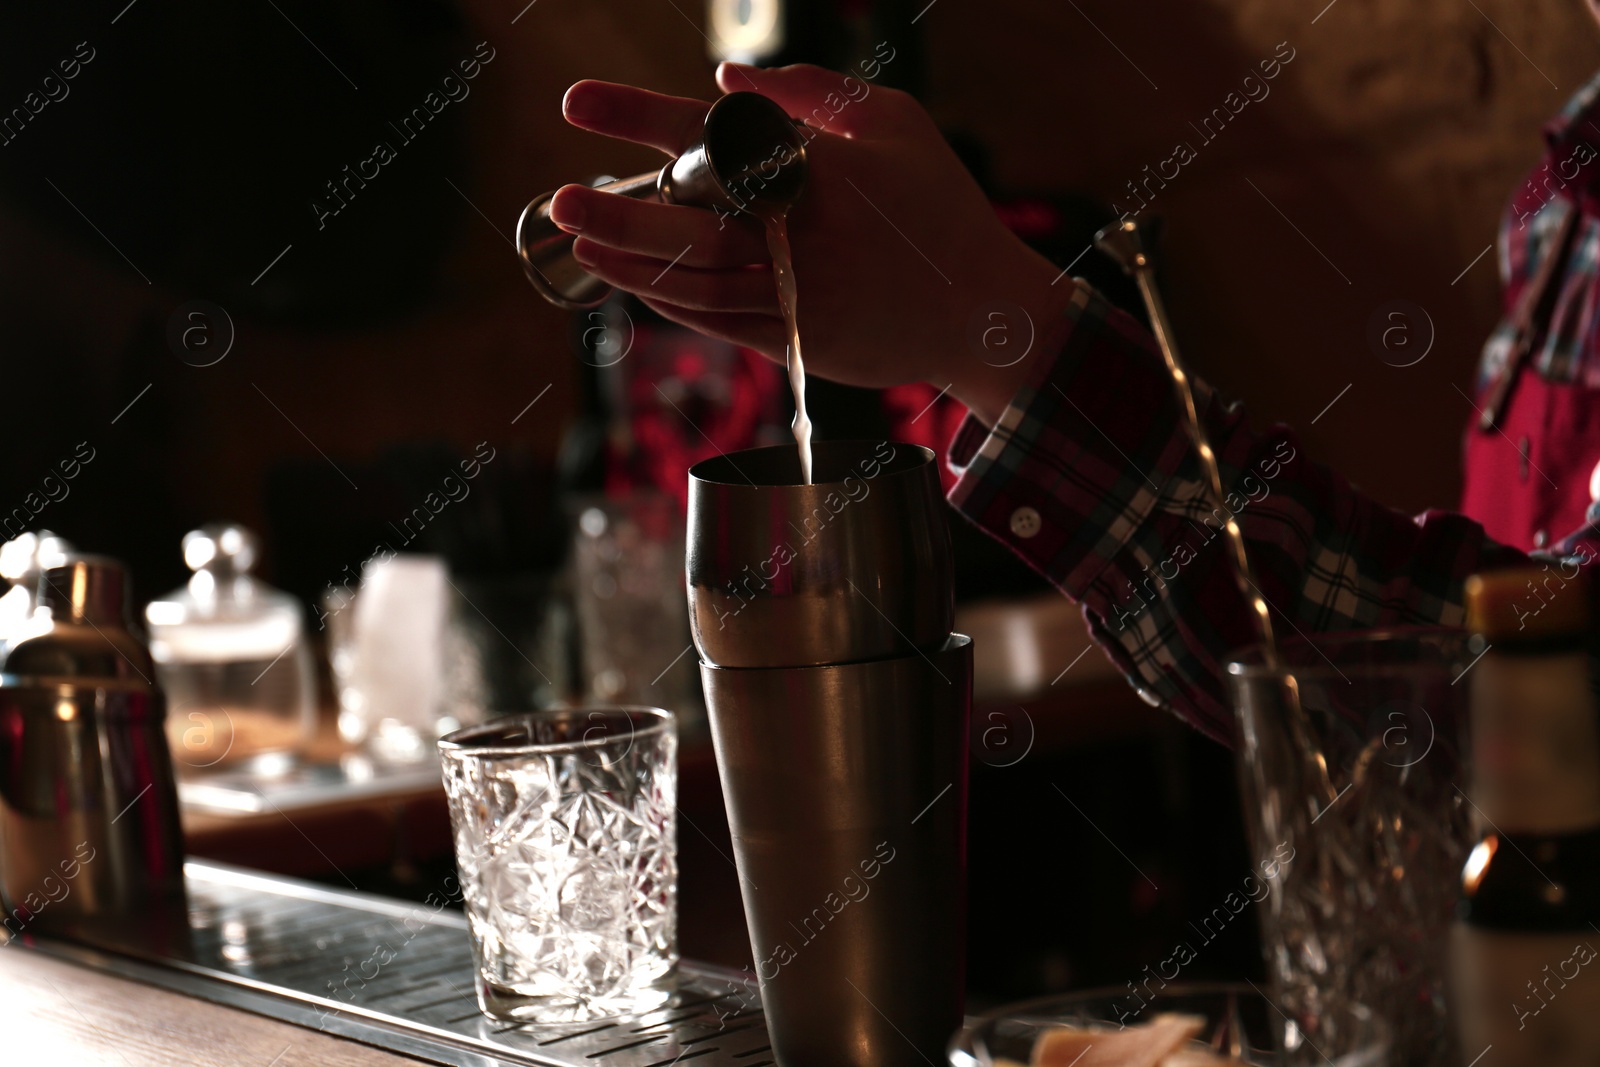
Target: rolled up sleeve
(1091, 478)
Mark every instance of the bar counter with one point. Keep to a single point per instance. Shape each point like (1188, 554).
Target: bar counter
(61, 1012)
(69, 1016)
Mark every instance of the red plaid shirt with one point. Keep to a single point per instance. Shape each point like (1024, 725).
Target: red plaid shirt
(1527, 479)
(1091, 478)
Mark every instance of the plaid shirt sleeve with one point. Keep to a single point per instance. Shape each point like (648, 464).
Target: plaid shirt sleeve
(1091, 479)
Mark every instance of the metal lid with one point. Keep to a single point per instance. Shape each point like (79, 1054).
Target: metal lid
(23, 557)
(86, 589)
(223, 548)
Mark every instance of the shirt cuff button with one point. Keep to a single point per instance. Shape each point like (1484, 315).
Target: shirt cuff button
(1024, 522)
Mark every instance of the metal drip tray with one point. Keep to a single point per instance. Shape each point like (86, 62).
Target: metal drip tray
(399, 976)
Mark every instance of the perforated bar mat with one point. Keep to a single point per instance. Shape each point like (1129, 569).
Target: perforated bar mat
(399, 976)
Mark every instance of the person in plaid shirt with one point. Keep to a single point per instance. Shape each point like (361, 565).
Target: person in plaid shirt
(1075, 457)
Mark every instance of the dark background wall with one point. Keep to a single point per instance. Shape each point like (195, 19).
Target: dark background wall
(1390, 143)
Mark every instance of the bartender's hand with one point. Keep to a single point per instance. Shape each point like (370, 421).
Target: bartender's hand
(897, 252)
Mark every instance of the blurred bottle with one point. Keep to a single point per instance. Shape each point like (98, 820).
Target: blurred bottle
(658, 399)
(631, 605)
(232, 658)
(1525, 957)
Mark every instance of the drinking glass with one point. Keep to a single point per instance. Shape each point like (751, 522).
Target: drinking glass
(1240, 1021)
(566, 838)
(1370, 834)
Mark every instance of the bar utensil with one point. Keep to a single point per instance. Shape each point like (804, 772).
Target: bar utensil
(846, 788)
(751, 155)
(90, 840)
(854, 567)
(1133, 249)
(839, 702)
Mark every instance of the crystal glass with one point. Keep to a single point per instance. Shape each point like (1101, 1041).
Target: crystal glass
(1359, 799)
(566, 839)
(1240, 1021)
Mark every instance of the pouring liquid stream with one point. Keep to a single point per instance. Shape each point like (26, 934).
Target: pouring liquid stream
(777, 227)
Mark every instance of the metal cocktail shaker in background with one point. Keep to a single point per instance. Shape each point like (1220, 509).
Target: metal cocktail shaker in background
(90, 842)
(839, 704)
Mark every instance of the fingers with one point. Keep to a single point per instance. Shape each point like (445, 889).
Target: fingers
(668, 123)
(816, 95)
(687, 235)
(743, 289)
(760, 332)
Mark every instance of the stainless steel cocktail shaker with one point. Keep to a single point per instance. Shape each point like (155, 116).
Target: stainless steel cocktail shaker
(846, 788)
(90, 842)
(856, 566)
(750, 156)
(839, 704)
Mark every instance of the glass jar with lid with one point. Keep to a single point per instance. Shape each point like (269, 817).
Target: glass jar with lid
(231, 655)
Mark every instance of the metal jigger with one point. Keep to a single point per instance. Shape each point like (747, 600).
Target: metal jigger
(845, 782)
(751, 156)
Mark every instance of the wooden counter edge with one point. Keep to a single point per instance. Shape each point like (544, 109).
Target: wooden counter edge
(67, 1015)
